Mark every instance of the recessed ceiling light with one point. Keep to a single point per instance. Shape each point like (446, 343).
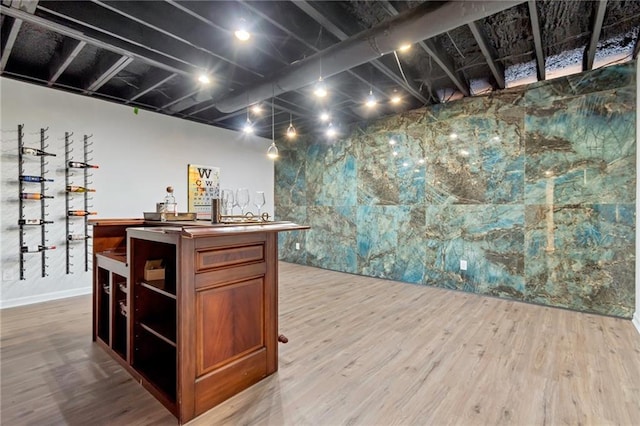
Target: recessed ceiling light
(331, 131)
(248, 127)
(404, 47)
(371, 100)
(204, 79)
(324, 116)
(241, 32)
(321, 89)
(242, 35)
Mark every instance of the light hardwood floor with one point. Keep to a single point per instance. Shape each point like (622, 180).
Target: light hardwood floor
(361, 351)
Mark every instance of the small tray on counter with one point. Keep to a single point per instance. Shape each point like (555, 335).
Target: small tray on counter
(170, 217)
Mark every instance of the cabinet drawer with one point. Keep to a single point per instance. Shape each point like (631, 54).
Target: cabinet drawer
(229, 256)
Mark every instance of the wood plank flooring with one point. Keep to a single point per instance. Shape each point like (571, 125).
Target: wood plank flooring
(361, 351)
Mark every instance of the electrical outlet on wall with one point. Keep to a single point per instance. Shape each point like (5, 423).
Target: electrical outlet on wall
(297, 246)
(463, 265)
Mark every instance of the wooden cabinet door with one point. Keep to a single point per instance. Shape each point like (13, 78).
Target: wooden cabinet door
(233, 305)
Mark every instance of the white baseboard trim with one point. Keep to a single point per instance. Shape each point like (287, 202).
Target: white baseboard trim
(636, 320)
(29, 300)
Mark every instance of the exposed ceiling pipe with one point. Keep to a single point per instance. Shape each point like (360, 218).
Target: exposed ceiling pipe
(422, 22)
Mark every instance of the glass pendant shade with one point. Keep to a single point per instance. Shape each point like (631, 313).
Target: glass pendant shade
(272, 152)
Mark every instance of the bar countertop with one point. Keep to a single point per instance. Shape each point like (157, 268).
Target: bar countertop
(201, 228)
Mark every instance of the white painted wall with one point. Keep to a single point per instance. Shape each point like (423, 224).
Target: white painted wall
(139, 155)
(636, 316)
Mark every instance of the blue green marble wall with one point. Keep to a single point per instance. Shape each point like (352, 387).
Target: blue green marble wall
(533, 187)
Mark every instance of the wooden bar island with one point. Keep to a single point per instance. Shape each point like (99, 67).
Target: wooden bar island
(208, 328)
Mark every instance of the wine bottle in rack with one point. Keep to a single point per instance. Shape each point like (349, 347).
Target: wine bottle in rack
(33, 196)
(34, 179)
(77, 237)
(33, 222)
(80, 213)
(35, 151)
(81, 165)
(73, 188)
(26, 249)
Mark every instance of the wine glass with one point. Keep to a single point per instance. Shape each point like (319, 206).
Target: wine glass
(242, 198)
(227, 201)
(259, 200)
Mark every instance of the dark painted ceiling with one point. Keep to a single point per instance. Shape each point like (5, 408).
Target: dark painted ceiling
(148, 54)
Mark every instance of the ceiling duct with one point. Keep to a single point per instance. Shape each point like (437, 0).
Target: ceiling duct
(420, 23)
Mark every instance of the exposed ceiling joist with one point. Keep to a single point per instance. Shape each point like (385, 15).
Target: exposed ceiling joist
(326, 23)
(311, 47)
(446, 65)
(62, 59)
(107, 69)
(114, 45)
(424, 21)
(489, 54)
(139, 12)
(590, 51)
(10, 32)
(537, 39)
(151, 83)
(178, 104)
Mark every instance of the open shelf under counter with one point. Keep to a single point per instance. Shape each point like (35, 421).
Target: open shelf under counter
(159, 287)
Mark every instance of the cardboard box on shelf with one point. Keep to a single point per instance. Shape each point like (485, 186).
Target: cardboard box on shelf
(154, 270)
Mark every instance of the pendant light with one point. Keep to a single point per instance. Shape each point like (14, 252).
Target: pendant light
(272, 152)
(291, 131)
(248, 125)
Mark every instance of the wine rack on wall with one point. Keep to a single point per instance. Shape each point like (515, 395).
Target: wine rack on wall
(72, 189)
(27, 182)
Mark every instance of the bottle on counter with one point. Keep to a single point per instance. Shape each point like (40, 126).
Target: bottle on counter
(170, 208)
(72, 188)
(80, 213)
(33, 221)
(34, 179)
(33, 196)
(80, 165)
(35, 151)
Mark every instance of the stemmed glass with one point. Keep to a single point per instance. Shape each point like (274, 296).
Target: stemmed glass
(227, 201)
(259, 200)
(242, 198)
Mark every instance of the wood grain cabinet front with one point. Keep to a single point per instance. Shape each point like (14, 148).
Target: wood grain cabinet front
(204, 332)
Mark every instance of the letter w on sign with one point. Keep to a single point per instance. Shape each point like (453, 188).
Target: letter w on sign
(204, 172)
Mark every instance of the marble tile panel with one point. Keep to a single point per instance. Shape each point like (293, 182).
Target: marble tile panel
(289, 173)
(390, 242)
(331, 241)
(390, 169)
(489, 237)
(287, 240)
(552, 93)
(583, 151)
(474, 161)
(581, 257)
(331, 173)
